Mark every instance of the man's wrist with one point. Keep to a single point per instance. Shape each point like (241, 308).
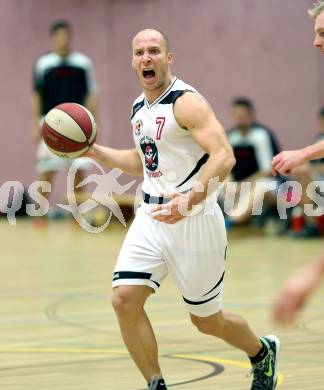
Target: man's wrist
(307, 152)
(195, 196)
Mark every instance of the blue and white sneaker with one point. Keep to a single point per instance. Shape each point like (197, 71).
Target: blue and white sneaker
(265, 373)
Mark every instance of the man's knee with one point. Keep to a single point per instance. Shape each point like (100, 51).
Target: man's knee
(212, 325)
(128, 300)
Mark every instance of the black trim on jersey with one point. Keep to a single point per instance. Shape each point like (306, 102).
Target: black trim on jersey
(162, 96)
(217, 284)
(173, 96)
(199, 302)
(200, 163)
(133, 275)
(150, 199)
(137, 107)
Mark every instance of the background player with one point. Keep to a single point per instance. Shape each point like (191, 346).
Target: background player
(180, 148)
(254, 146)
(298, 288)
(59, 76)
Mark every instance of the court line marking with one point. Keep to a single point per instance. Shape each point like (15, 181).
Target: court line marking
(62, 350)
(229, 362)
(210, 359)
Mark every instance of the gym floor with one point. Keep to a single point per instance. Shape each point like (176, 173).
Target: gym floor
(58, 330)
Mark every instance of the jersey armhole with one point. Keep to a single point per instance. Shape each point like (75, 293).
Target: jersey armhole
(180, 94)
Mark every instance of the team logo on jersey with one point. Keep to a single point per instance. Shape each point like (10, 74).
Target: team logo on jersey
(150, 152)
(138, 127)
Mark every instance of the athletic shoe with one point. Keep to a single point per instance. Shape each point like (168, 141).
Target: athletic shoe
(265, 373)
(157, 384)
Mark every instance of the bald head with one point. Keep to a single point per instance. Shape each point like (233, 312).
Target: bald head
(153, 33)
(151, 60)
(317, 9)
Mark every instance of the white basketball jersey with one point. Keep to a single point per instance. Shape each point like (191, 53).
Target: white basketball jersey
(172, 160)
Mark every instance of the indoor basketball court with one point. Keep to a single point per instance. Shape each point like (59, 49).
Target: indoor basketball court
(59, 331)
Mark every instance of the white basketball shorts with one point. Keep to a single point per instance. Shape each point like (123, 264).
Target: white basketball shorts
(193, 250)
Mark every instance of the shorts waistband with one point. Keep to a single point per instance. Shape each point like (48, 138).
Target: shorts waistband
(150, 199)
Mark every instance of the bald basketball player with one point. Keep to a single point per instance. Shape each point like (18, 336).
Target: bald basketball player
(300, 286)
(179, 148)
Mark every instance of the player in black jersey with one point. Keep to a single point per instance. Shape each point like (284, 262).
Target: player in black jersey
(59, 76)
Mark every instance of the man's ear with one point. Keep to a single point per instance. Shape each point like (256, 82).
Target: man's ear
(170, 58)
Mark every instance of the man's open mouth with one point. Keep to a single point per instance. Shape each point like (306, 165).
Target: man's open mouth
(148, 74)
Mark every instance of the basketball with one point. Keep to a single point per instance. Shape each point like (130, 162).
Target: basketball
(69, 130)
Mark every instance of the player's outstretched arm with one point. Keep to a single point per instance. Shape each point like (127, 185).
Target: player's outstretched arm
(285, 161)
(194, 113)
(296, 291)
(128, 160)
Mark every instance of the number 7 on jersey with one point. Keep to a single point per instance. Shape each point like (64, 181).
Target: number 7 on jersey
(160, 121)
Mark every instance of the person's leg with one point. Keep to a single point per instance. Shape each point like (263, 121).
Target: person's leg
(140, 269)
(198, 267)
(234, 330)
(261, 191)
(243, 211)
(79, 192)
(41, 221)
(230, 327)
(46, 165)
(46, 176)
(136, 329)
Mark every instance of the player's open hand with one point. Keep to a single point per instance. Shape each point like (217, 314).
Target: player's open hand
(285, 161)
(174, 210)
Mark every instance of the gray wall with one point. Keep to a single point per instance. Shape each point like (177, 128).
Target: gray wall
(259, 48)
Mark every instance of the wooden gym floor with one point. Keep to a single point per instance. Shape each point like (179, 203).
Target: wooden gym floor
(58, 330)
